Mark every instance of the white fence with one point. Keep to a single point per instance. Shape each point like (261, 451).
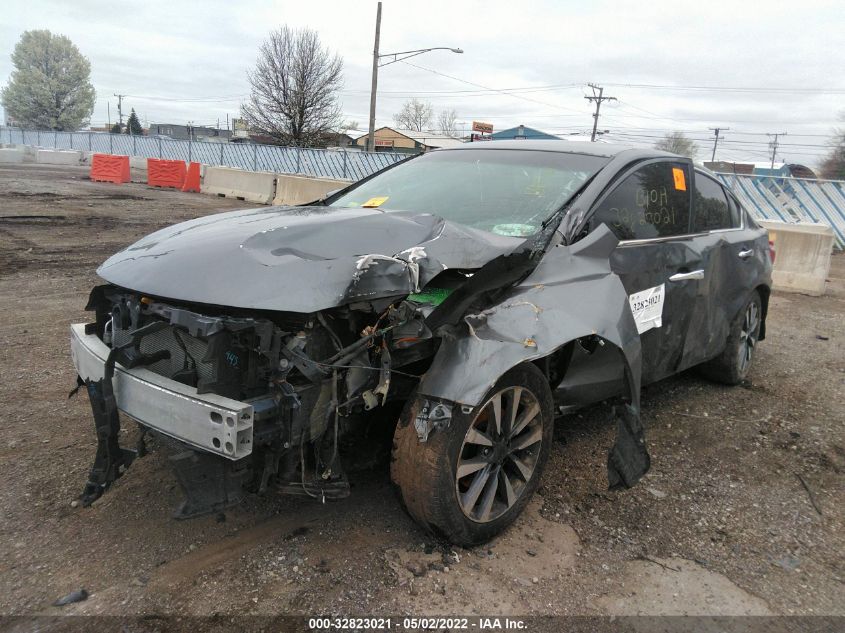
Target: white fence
(766, 197)
(793, 200)
(321, 163)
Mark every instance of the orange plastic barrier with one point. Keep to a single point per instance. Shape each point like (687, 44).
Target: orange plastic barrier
(192, 179)
(165, 173)
(109, 168)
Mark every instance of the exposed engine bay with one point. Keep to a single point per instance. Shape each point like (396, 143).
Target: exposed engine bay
(306, 376)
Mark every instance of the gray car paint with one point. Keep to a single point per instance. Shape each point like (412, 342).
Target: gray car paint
(311, 258)
(299, 259)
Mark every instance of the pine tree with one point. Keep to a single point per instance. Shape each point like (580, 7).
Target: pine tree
(133, 124)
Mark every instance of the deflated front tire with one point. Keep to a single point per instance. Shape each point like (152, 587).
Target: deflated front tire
(470, 480)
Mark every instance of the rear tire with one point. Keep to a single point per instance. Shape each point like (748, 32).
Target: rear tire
(732, 366)
(471, 480)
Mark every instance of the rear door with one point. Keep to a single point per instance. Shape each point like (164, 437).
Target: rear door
(731, 254)
(657, 258)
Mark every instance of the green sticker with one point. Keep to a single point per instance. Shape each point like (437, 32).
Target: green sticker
(434, 296)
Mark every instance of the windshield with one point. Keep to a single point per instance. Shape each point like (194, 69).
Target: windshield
(508, 192)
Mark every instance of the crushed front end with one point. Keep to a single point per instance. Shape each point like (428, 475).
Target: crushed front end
(247, 399)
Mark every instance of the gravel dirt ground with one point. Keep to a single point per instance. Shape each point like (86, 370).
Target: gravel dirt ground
(742, 512)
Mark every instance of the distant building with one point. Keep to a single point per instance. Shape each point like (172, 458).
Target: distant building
(389, 139)
(522, 132)
(341, 138)
(193, 132)
(727, 167)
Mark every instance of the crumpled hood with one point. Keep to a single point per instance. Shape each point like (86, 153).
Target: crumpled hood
(299, 259)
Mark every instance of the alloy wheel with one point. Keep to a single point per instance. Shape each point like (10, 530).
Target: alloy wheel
(499, 454)
(748, 335)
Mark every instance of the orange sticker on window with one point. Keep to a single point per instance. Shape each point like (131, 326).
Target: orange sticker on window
(375, 202)
(680, 179)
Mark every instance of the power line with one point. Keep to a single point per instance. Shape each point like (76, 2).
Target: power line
(470, 83)
(832, 91)
(774, 145)
(716, 139)
(598, 98)
(120, 108)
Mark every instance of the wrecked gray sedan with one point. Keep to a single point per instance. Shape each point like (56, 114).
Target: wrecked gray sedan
(481, 288)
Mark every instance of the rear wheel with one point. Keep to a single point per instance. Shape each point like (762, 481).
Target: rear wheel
(469, 481)
(732, 366)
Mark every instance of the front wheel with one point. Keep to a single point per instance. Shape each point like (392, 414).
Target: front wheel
(732, 366)
(471, 480)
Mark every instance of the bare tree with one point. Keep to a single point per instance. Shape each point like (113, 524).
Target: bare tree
(414, 115)
(294, 88)
(447, 120)
(833, 166)
(677, 143)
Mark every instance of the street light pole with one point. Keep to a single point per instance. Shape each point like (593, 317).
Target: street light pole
(371, 141)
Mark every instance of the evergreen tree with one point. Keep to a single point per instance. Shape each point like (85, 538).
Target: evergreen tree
(133, 124)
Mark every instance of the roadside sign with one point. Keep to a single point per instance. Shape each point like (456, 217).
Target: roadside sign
(480, 126)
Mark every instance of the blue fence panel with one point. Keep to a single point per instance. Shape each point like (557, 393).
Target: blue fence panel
(792, 200)
(322, 163)
(237, 155)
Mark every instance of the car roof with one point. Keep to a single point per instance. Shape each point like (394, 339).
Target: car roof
(568, 147)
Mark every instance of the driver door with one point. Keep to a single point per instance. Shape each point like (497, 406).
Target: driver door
(656, 259)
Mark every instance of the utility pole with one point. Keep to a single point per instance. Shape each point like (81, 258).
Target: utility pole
(716, 140)
(371, 141)
(120, 109)
(774, 145)
(598, 98)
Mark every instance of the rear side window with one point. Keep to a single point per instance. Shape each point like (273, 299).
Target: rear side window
(736, 212)
(654, 201)
(710, 206)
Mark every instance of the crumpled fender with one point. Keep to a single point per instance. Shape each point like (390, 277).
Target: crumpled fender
(572, 293)
(577, 294)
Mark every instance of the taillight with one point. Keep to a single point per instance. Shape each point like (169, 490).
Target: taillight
(772, 250)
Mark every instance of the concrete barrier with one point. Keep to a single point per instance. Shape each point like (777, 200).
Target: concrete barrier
(58, 157)
(235, 183)
(802, 256)
(138, 169)
(10, 155)
(298, 189)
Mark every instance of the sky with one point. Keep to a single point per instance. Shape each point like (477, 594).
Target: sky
(754, 67)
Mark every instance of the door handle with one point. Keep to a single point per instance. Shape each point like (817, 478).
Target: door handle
(745, 253)
(695, 274)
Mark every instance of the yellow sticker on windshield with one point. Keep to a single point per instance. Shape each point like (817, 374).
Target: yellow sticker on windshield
(680, 179)
(375, 202)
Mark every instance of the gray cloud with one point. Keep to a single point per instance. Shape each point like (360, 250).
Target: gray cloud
(183, 61)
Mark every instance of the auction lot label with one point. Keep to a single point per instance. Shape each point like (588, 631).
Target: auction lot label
(647, 307)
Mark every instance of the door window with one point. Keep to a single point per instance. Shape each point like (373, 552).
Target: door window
(710, 209)
(654, 201)
(736, 212)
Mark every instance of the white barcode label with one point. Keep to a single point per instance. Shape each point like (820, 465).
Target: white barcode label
(647, 307)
